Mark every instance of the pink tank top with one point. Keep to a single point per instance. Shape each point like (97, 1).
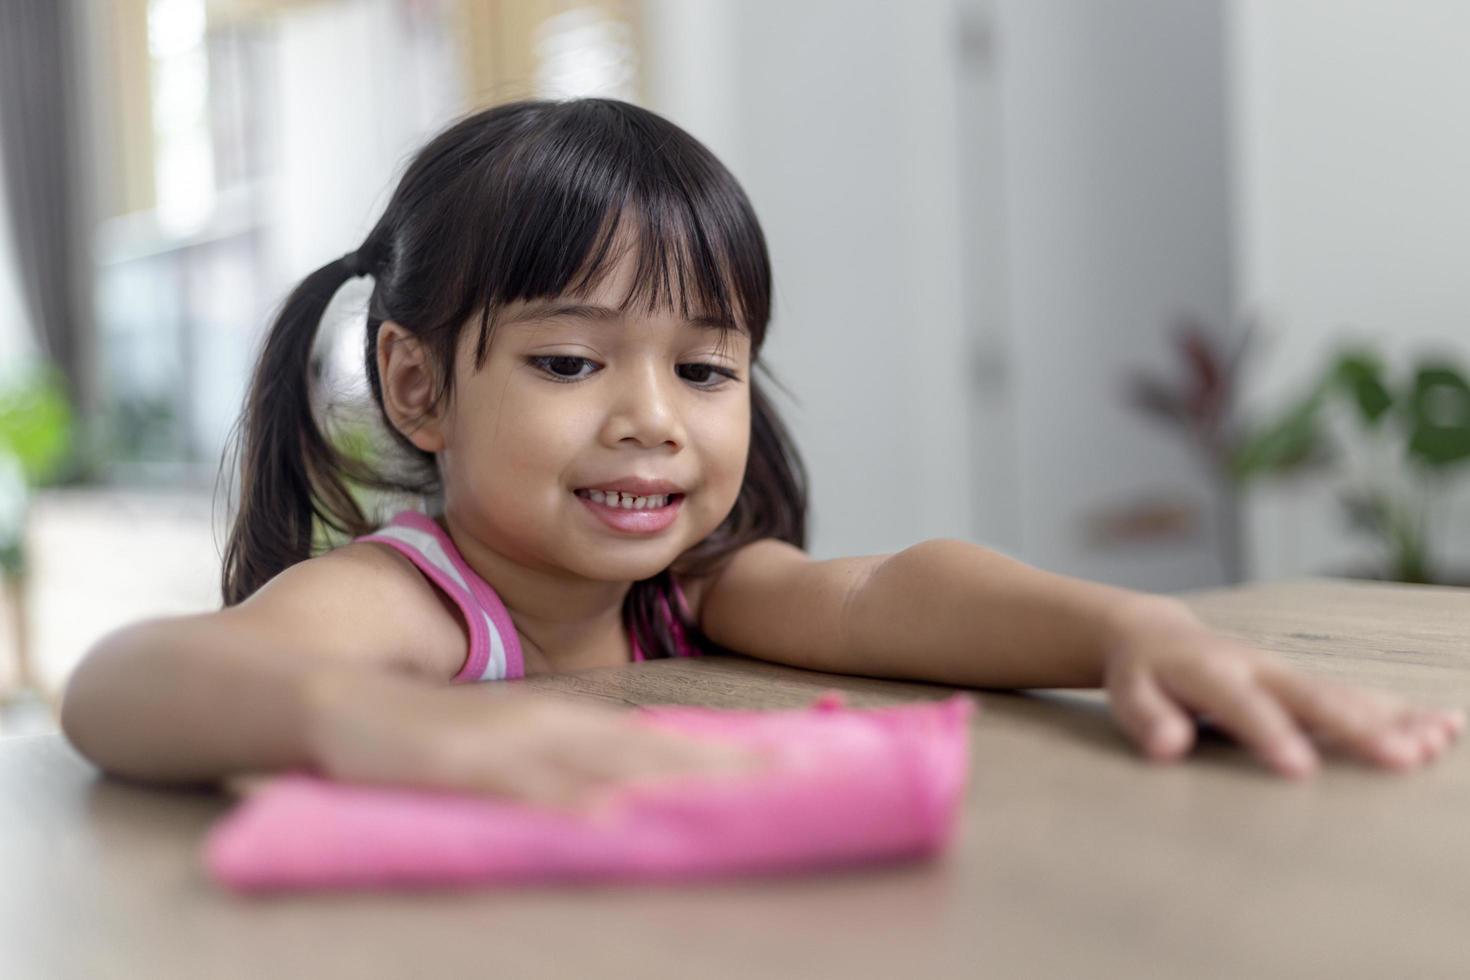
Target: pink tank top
(495, 650)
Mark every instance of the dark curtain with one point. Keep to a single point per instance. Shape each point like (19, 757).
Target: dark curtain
(39, 139)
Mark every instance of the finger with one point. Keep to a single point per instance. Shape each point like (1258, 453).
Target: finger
(616, 760)
(703, 753)
(511, 771)
(1339, 716)
(1426, 727)
(542, 784)
(643, 754)
(1429, 732)
(1156, 724)
(1371, 726)
(1433, 728)
(713, 755)
(1451, 722)
(1248, 712)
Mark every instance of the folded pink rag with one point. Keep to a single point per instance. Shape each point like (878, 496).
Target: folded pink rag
(842, 786)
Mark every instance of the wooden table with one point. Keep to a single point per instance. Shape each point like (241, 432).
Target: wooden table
(1075, 858)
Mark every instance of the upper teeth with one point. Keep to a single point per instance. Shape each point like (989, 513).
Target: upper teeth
(615, 498)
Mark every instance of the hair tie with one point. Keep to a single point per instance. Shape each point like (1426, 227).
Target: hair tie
(355, 265)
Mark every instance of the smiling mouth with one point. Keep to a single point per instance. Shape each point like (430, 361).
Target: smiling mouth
(628, 501)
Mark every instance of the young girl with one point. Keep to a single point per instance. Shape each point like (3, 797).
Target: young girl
(569, 302)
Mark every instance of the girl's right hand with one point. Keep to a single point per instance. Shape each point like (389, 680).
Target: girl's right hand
(518, 744)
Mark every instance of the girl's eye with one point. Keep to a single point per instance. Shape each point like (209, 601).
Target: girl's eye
(563, 367)
(702, 374)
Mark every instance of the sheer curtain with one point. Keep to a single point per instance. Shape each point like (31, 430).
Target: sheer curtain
(41, 189)
(17, 344)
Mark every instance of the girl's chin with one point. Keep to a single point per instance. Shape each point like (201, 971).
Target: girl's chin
(625, 561)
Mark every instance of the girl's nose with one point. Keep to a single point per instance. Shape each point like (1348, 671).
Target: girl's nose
(645, 409)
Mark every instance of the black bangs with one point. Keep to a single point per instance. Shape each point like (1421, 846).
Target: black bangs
(590, 180)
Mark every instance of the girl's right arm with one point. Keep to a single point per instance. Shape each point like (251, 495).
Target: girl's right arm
(340, 665)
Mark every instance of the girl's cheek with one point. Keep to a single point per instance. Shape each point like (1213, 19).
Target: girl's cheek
(729, 460)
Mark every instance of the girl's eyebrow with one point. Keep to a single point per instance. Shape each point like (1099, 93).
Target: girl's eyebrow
(552, 309)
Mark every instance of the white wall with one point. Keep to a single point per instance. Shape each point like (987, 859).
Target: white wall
(361, 85)
(1352, 142)
(1117, 219)
(839, 121)
(996, 504)
(981, 212)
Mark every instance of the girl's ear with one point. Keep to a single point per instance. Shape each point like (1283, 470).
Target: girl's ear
(407, 378)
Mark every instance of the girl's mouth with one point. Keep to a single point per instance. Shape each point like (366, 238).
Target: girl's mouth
(627, 501)
(630, 514)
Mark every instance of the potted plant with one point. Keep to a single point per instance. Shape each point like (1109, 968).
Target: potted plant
(1201, 405)
(35, 440)
(1421, 421)
(1418, 424)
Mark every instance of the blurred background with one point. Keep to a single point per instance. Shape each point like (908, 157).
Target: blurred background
(1164, 293)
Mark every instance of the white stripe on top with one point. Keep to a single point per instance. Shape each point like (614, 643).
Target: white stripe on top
(429, 546)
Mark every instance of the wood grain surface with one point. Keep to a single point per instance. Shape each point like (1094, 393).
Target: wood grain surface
(1075, 858)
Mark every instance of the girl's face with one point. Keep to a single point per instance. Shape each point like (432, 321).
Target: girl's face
(574, 397)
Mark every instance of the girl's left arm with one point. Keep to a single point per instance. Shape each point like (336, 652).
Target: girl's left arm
(957, 613)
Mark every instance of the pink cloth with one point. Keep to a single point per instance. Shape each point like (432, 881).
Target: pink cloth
(843, 786)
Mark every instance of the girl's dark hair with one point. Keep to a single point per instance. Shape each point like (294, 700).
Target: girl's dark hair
(522, 201)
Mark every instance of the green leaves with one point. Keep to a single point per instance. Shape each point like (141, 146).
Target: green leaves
(1432, 415)
(1293, 442)
(1438, 414)
(1361, 375)
(35, 439)
(1433, 411)
(36, 423)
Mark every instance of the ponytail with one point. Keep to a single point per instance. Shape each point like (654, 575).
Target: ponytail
(290, 475)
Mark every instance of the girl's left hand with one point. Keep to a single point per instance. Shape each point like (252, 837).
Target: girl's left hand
(1165, 667)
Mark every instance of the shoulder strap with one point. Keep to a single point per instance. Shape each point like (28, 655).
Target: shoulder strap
(495, 650)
